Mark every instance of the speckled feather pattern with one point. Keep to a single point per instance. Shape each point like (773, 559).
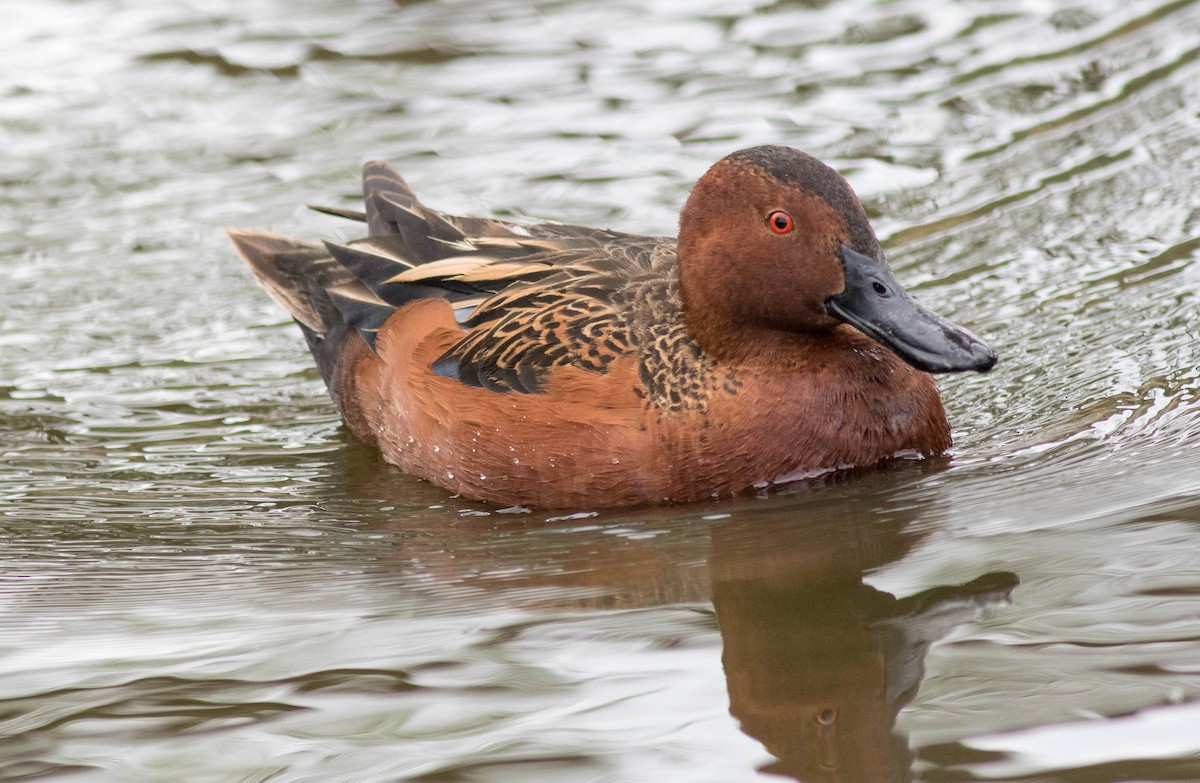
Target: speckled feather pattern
(552, 296)
(617, 298)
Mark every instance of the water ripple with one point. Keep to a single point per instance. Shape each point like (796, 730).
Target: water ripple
(203, 577)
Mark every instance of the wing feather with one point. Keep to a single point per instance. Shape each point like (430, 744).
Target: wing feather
(529, 297)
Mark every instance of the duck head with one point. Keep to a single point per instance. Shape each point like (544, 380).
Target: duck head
(773, 242)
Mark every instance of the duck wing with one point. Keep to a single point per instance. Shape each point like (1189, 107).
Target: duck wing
(529, 297)
(526, 304)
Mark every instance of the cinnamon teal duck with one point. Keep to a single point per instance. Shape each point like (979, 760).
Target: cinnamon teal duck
(558, 366)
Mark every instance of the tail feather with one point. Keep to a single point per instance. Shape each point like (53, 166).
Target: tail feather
(296, 274)
(303, 279)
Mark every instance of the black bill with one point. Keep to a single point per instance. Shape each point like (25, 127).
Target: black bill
(876, 305)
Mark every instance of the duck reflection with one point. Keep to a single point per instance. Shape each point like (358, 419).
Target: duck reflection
(819, 664)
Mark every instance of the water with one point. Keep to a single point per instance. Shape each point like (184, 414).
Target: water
(203, 578)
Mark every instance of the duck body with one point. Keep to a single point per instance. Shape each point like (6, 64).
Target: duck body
(557, 366)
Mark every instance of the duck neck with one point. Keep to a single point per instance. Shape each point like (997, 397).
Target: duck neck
(730, 336)
(745, 344)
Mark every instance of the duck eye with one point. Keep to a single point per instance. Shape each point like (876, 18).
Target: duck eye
(780, 221)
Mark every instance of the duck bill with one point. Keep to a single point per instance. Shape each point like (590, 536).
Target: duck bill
(876, 305)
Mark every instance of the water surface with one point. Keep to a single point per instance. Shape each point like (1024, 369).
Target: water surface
(203, 578)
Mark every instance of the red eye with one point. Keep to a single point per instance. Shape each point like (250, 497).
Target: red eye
(780, 222)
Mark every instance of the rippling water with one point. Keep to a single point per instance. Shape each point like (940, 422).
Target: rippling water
(203, 578)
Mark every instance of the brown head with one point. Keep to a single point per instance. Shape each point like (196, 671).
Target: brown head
(772, 243)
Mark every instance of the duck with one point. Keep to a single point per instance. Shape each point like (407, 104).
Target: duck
(554, 366)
